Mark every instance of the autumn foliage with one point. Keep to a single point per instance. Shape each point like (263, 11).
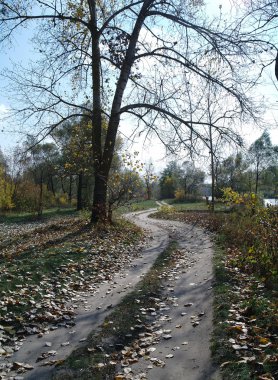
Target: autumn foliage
(6, 190)
(253, 231)
(248, 230)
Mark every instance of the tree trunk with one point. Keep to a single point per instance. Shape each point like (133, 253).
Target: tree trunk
(99, 209)
(52, 185)
(211, 161)
(103, 158)
(257, 179)
(70, 190)
(79, 192)
(110, 213)
(185, 187)
(99, 195)
(149, 193)
(212, 183)
(250, 182)
(62, 185)
(40, 196)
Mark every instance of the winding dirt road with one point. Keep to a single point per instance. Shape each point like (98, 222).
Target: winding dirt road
(189, 318)
(189, 289)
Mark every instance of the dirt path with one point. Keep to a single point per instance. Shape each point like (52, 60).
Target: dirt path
(190, 332)
(187, 317)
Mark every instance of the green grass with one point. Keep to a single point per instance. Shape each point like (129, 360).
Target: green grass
(143, 205)
(25, 217)
(116, 329)
(190, 206)
(195, 206)
(136, 206)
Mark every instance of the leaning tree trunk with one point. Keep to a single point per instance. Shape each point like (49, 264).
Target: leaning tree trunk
(212, 183)
(100, 186)
(276, 66)
(103, 159)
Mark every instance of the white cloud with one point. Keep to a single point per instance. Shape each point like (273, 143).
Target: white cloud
(3, 109)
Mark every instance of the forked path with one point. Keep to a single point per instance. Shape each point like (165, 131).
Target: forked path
(186, 354)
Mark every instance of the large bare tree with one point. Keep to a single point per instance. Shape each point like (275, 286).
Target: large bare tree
(104, 58)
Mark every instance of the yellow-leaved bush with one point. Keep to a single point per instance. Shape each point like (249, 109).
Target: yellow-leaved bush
(180, 195)
(254, 231)
(6, 191)
(247, 201)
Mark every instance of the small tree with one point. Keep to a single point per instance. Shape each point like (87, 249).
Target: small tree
(77, 157)
(6, 186)
(261, 154)
(150, 179)
(191, 179)
(39, 162)
(125, 183)
(169, 180)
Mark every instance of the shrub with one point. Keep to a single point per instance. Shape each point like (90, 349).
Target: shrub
(62, 200)
(179, 195)
(27, 197)
(248, 202)
(254, 235)
(166, 209)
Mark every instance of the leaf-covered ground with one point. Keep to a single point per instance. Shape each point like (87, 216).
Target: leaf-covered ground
(245, 340)
(44, 266)
(129, 333)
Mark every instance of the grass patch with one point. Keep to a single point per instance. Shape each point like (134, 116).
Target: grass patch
(25, 217)
(183, 207)
(190, 206)
(143, 205)
(136, 206)
(194, 205)
(119, 329)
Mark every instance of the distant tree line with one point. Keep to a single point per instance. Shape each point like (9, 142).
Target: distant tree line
(253, 170)
(58, 173)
